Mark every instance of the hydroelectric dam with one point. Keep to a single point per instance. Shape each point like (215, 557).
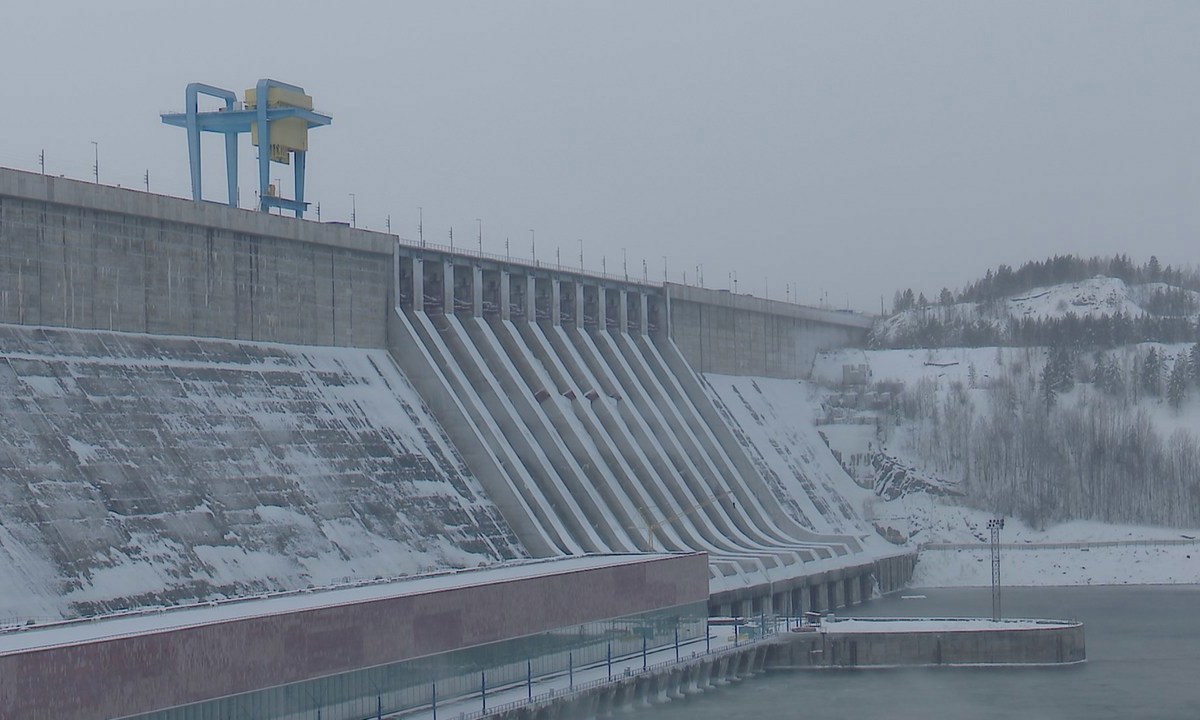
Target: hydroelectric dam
(203, 403)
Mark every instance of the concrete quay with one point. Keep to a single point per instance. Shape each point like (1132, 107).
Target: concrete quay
(660, 683)
(863, 643)
(908, 642)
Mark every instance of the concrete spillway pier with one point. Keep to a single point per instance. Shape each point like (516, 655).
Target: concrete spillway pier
(906, 642)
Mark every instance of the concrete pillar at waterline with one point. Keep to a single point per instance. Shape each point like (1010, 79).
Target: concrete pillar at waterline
(477, 291)
(448, 287)
(837, 598)
(578, 304)
(817, 598)
(555, 302)
(531, 298)
(796, 604)
(418, 285)
(396, 273)
(720, 671)
(623, 313)
(505, 297)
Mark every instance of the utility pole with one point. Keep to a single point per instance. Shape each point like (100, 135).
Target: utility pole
(42, 160)
(147, 179)
(580, 254)
(388, 223)
(533, 246)
(480, 235)
(421, 225)
(995, 525)
(353, 211)
(625, 264)
(96, 165)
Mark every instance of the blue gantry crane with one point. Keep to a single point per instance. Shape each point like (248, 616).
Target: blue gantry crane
(278, 117)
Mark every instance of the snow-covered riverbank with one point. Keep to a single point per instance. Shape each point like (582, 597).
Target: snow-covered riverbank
(1077, 553)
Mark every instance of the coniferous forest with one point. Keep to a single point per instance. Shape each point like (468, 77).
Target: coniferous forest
(1087, 421)
(1169, 316)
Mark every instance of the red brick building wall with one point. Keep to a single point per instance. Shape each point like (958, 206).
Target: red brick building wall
(139, 673)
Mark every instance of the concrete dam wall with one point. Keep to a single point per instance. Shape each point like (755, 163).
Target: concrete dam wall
(466, 409)
(149, 470)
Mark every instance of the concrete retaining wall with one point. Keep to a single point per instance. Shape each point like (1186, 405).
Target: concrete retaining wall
(719, 332)
(79, 255)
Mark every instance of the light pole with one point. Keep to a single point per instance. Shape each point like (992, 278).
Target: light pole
(580, 254)
(421, 226)
(625, 264)
(96, 165)
(533, 246)
(995, 525)
(480, 235)
(353, 211)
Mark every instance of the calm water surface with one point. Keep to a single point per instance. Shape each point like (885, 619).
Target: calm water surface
(1143, 647)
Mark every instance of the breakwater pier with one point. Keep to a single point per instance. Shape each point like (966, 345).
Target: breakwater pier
(846, 643)
(929, 642)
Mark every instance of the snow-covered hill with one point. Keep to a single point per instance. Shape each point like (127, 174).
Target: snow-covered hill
(1093, 298)
(975, 417)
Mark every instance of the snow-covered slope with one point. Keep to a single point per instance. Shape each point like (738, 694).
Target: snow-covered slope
(143, 470)
(774, 420)
(1094, 298)
(931, 393)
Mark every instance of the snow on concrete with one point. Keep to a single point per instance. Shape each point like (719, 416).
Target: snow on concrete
(143, 470)
(24, 638)
(773, 419)
(918, 625)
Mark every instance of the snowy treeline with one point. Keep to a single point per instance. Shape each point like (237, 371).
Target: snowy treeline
(952, 327)
(1006, 281)
(1076, 438)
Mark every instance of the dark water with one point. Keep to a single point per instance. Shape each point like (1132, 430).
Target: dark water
(1143, 647)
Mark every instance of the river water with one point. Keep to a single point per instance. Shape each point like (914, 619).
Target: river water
(1143, 648)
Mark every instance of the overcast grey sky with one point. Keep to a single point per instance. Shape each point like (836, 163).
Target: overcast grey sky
(844, 149)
